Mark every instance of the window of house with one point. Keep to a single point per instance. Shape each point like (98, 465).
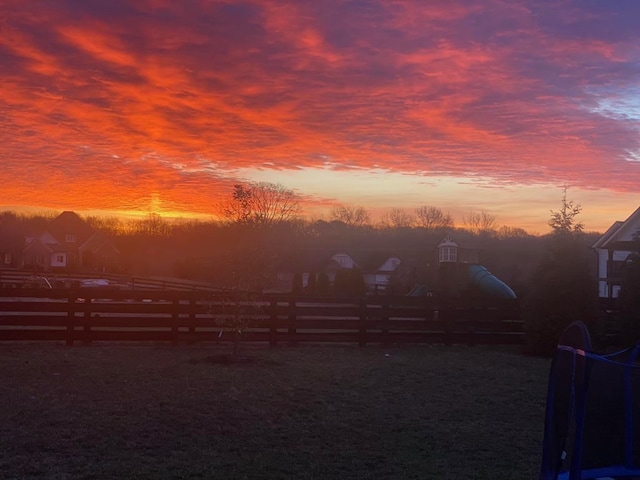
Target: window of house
(448, 254)
(39, 260)
(60, 258)
(70, 238)
(7, 258)
(615, 291)
(343, 260)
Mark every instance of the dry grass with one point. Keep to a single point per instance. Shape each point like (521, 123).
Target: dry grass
(156, 411)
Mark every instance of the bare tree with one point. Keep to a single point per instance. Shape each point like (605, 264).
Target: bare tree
(432, 217)
(397, 218)
(108, 225)
(261, 204)
(480, 223)
(154, 225)
(245, 271)
(512, 232)
(354, 216)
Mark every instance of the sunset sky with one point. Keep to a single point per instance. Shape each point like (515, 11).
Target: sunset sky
(125, 106)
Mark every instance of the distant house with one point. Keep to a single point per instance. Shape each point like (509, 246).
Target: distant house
(379, 276)
(613, 249)
(378, 270)
(69, 243)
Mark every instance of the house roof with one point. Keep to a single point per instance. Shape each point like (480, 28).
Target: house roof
(461, 239)
(82, 237)
(620, 232)
(69, 223)
(99, 243)
(369, 261)
(37, 246)
(447, 242)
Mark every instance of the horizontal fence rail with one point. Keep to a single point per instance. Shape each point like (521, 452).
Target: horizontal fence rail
(103, 314)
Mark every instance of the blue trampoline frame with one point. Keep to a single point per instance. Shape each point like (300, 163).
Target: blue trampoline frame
(576, 342)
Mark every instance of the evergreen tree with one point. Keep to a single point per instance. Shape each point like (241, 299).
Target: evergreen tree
(324, 286)
(357, 285)
(564, 220)
(296, 286)
(562, 289)
(341, 282)
(312, 284)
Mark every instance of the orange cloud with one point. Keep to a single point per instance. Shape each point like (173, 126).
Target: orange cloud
(105, 104)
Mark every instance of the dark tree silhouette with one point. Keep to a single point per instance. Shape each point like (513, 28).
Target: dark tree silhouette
(428, 216)
(562, 289)
(260, 205)
(479, 223)
(564, 221)
(354, 216)
(324, 286)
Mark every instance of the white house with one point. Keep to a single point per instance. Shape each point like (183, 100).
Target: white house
(377, 277)
(613, 249)
(69, 242)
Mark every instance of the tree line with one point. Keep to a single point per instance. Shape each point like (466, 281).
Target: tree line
(263, 204)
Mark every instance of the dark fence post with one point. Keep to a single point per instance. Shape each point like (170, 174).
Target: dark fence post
(292, 319)
(175, 319)
(87, 320)
(273, 323)
(192, 318)
(384, 319)
(447, 317)
(71, 318)
(363, 323)
(474, 318)
(431, 312)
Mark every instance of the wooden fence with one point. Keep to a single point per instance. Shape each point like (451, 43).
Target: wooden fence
(99, 314)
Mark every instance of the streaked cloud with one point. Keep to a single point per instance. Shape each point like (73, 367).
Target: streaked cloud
(106, 105)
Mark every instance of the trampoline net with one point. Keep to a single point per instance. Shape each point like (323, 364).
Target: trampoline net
(592, 427)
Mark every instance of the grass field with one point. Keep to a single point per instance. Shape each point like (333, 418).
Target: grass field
(314, 412)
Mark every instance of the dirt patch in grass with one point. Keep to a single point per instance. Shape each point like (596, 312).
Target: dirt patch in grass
(316, 412)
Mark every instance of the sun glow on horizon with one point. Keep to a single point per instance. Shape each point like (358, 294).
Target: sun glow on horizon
(145, 108)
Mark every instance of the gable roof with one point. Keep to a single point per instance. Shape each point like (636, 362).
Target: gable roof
(369, 261)
(69, 223)
(447, 242)
(620, 231)
(38, 246)
(99, 243)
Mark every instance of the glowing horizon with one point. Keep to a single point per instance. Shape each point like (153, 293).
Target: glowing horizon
(128, 108)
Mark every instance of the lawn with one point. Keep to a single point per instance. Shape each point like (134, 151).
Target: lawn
(314, 412)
